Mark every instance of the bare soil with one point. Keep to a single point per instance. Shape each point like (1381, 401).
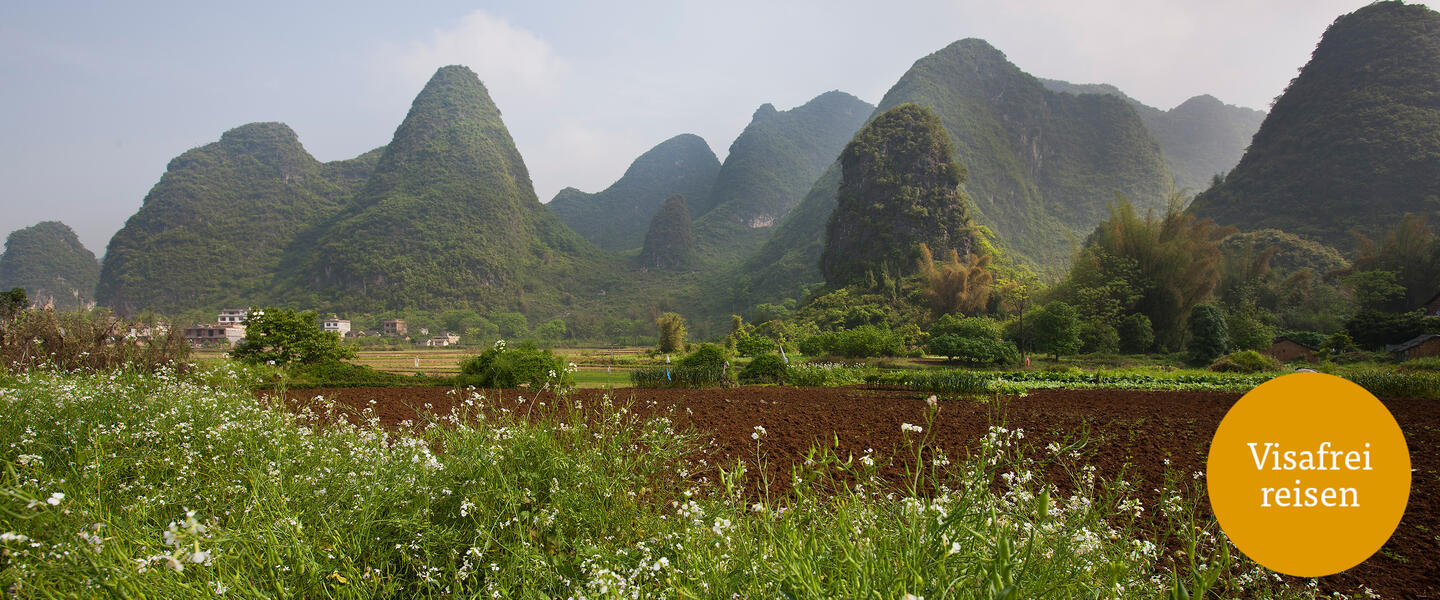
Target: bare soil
(1130, 434)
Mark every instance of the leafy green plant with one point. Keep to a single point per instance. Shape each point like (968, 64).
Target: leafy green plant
(765, 368)
(501, 366)
(1209, 338)
(283, 336)
(1245, 361)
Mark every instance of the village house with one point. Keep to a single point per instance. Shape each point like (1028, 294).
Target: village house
(234, 316)
(393, 327)
(337, 325)
(443, 340)
(1432, 308)
(1417, 347)
(1285, 350)
(206, 335)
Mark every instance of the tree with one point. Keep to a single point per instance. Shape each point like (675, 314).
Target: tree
(953, 286)
(672, 332)
(283, 336)
(974, 340)
(1056, 329)
(1136, 336)
(12, 302)
(1209, 337)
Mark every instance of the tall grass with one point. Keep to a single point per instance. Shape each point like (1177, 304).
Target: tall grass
(135, 485)
(84, 340)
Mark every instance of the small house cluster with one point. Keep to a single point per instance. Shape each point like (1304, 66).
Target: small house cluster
(229, 329)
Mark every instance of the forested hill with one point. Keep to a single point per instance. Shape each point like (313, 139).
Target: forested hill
(1042, 165)
(771, 165)
(1201, 137)
(1354, 142)
(51, 264)
(618, 217)
(449, 218)
(213, 230)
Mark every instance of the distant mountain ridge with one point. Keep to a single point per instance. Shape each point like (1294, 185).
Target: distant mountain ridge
(50, 263)
(1354, 142)
(769, 168)
(448, 218)
(213, 230)
(1201, 137)
(1042, 164)
(616, 219)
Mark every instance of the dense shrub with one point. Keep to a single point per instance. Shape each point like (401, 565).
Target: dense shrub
(1098, 337)
(974, 340)
(1136, 334)
(283, 336)
(1055, 329)
(860, 342)
(823, 374)
(1246, 361)
(1428, 363)
(501, 366)
(766, 368)
(672, 332)
(753, 345)
(706, 356)
(1209, 337)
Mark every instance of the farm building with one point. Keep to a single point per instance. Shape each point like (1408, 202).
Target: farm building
(443, 340)
(1286, 350)
(203, 335)
(337, 325)
(394, 327)
(1421, 346)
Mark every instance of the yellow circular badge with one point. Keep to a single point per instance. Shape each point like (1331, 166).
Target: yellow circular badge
(1308, 474)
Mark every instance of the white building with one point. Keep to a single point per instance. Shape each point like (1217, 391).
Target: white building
(233, 316)
(337, 325)
(443, 340)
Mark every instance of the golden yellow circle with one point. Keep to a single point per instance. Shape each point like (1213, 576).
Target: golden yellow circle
(1319, 520)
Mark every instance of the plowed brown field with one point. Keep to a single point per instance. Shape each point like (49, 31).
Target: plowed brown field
(1133, 431)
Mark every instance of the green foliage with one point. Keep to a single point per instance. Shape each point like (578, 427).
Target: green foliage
(1377, 291)
(823, 374)
(860, 342)
(12, 302)
(972, 340)
(1248, 329)
(1373, 330)
(1159, 266)
(1428, 363)
(503, 366)
(215, 228)
(282, 336)
(1389, 384)
(1209, 336)
(551, 331)
(1098, 337)
(1055, 329)
(1404, 272)
(765, 368)
(672, 332)
(615, 219)
(48, 261)
(511, 325)
(670, 243)
(1245, 361)
(707, 356)
(1352, 142)
(94, 340)
(1135, 333)
(343, 374)
(899, 189)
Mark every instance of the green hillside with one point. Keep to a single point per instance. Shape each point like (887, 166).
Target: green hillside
(213, 230)
(616, 218)
(1201, 137)
(670, 242)
(899, 188)
(1042, 165)
(1354, 142)
(770, 167)
(449, 218)
(51, 264)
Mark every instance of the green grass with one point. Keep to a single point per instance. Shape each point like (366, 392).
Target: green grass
(129, 485)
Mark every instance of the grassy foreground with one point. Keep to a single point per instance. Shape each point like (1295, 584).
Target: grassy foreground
(130, 485)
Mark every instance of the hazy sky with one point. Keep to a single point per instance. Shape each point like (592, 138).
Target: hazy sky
(98, 96)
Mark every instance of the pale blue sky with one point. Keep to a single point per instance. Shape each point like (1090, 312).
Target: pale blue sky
(98, 96)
